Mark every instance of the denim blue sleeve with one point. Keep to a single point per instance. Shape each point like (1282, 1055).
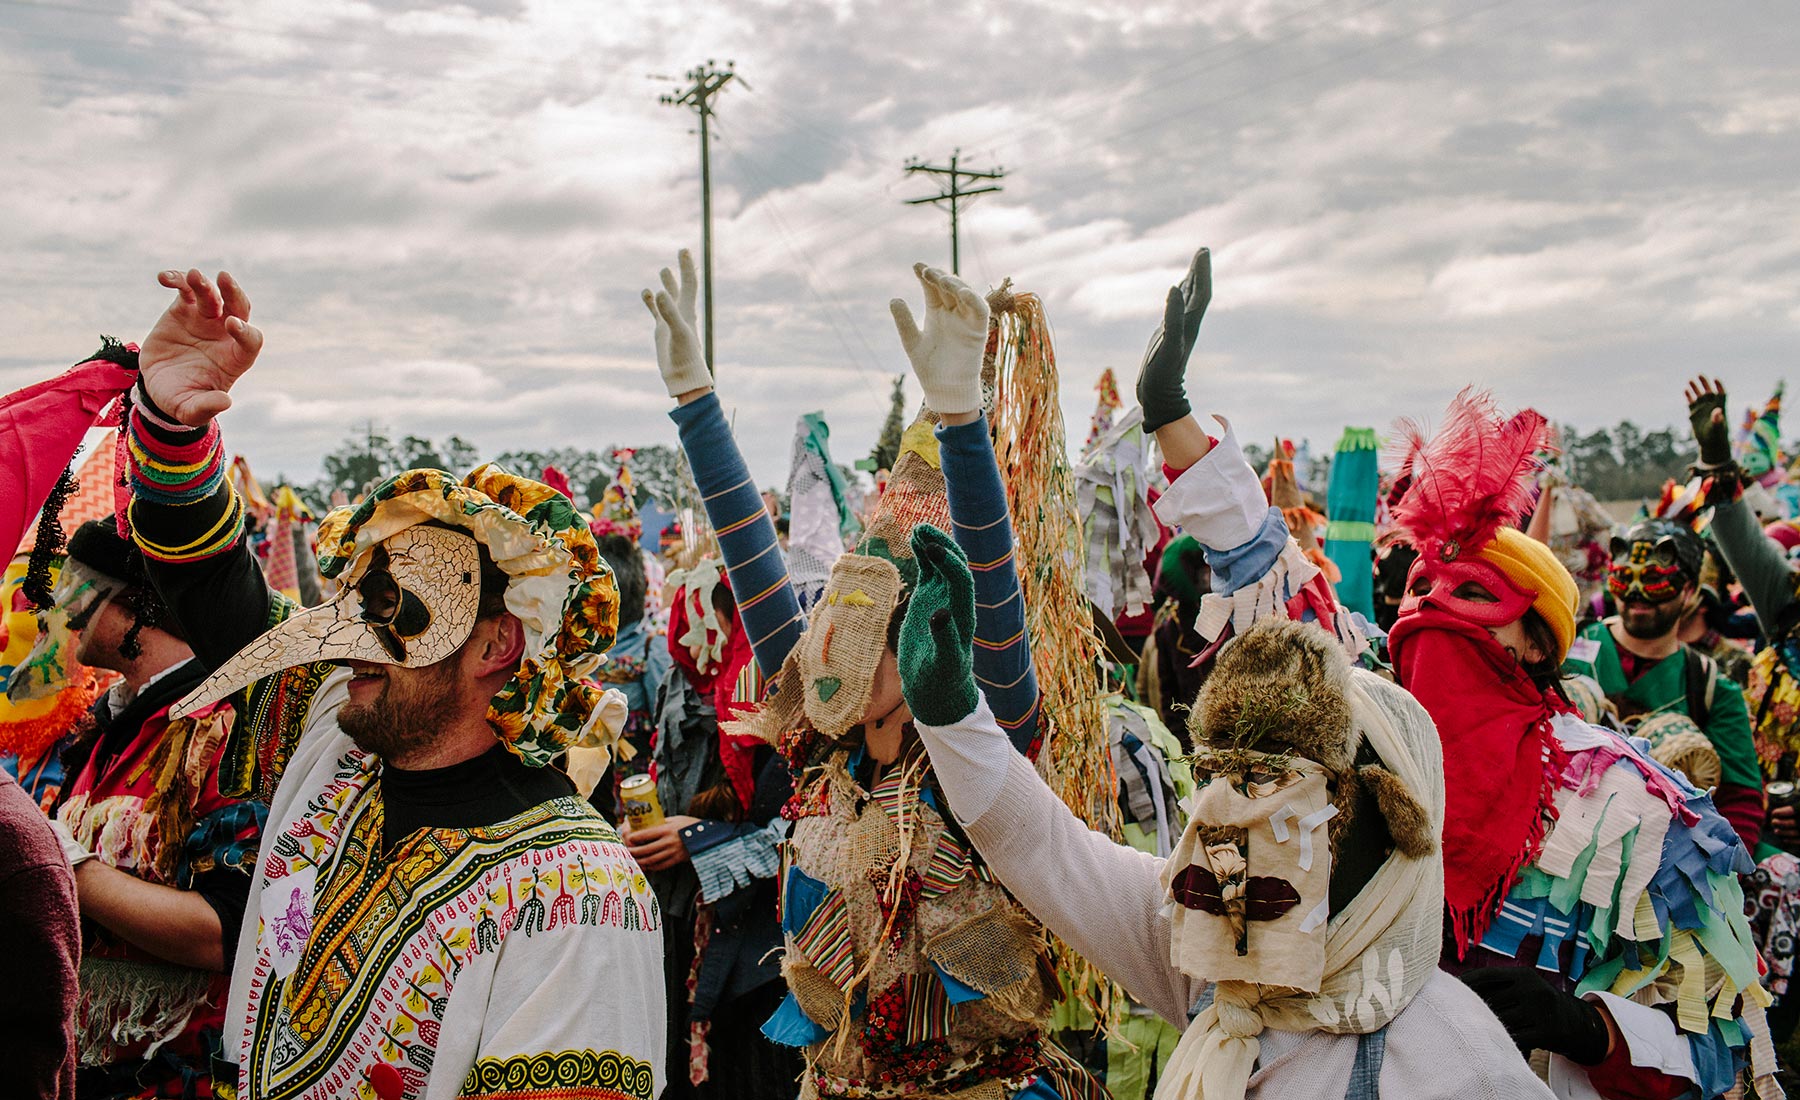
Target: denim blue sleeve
(982, 527)
(765, 596)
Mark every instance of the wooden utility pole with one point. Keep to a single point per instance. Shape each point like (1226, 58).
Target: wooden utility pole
(705, 82)
(955, 193)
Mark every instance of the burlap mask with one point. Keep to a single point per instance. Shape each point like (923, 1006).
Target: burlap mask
(842, 648)
(1280, 714)
(826, 680)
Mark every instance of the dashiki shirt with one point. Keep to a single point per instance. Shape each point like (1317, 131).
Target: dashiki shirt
(519, 960)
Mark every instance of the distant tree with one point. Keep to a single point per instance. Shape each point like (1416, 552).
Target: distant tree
(887, 445)
(589, 472)
(656, 472)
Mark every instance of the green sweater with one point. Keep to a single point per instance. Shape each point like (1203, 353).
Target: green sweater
(1664, 688)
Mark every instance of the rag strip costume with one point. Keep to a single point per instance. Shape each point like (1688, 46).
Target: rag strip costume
(1567, 848)
(911, 971)
(416, 934)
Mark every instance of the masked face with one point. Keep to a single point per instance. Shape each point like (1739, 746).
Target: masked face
(36, 649)
(1254, 867)
(1644, 570)
(1468, 588)
(411, 600)
(842, 650)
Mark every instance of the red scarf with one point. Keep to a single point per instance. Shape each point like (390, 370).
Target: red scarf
(1502, 764)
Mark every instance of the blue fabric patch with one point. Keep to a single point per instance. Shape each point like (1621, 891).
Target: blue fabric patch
(959, 993)
(216, 835)
(1718, 1064)
(791, 1027)
(1233, 569)
(1038, 1090)
(803, 894)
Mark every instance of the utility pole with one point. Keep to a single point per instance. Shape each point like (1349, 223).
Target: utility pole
(955, 193)
(705, 83)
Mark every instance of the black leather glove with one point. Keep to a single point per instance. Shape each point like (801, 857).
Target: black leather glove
(1539, 1016)
(1714, 438)
(1162, 380)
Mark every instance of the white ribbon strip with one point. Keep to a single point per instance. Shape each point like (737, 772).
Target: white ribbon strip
(1305, 825)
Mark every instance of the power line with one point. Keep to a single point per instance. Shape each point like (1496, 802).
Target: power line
(954, 194)
(829, 304)
(707, 82)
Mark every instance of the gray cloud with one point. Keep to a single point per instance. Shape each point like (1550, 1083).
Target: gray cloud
(445, 212)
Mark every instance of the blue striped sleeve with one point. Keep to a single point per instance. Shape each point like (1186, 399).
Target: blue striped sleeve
(984, 531)
(767, 605)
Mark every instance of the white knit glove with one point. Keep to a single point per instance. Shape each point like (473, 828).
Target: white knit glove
(947, 354)
(75, 850)
(678, 354)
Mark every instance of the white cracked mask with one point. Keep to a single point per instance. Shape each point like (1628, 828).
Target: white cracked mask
(410, 600)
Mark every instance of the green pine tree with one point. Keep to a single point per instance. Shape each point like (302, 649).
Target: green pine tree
(887, 446)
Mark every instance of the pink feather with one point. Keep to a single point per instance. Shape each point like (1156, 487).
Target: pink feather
(1472, 477)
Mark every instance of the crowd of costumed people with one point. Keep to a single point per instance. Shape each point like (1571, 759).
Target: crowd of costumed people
(1020, 770)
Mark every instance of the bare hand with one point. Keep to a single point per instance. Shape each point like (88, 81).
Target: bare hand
(659, 847)
(1784, 824)
(201, 345)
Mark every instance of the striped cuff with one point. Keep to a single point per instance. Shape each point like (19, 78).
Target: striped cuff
(182, 507)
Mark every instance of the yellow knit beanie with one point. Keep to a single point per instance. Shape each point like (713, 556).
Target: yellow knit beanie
(1529, 564)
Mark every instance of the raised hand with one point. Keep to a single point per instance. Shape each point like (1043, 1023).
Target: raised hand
(936, 658)
(201, 345)
(1162, 380)
(946, 353)
(1706, 415)
(678, 353)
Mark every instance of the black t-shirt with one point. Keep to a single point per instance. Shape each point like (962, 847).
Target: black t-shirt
(484, 790)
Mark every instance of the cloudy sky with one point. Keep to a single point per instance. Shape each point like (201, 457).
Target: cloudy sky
(444, 213)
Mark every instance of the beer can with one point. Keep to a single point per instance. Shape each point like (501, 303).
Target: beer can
(642, 806)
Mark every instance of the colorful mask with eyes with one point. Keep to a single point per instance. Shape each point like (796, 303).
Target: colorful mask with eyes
(1654, 562)
(46, 688)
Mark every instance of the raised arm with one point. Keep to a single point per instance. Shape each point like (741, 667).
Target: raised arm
(767, 605)
(1760, 565)
(1103, 899)
(946, 357)
(188, 521)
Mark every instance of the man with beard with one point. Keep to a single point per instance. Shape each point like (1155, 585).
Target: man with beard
(436, 913)
(1646, 670)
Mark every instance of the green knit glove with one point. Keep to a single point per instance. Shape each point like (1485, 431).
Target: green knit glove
(1714, 437)
(937, 663)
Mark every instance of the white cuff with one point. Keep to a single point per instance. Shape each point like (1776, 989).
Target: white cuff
(1219, 500)
(1650, 1036)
